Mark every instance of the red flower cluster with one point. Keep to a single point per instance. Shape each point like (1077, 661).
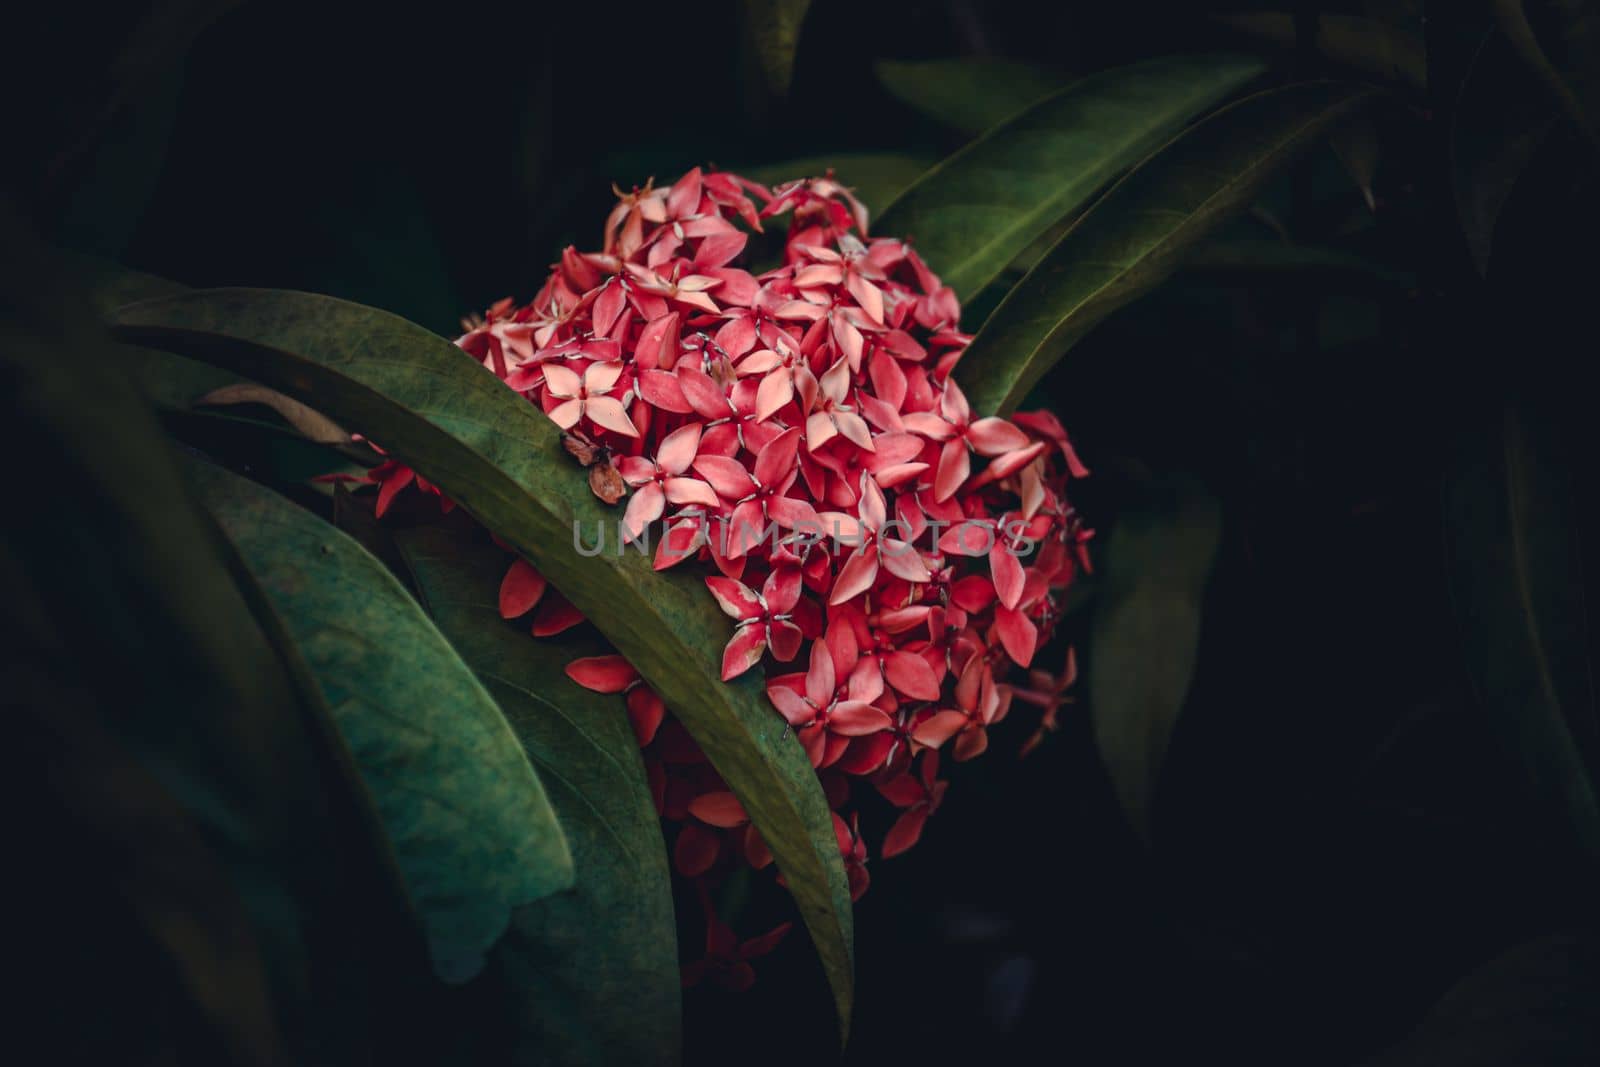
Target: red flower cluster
(798, 430)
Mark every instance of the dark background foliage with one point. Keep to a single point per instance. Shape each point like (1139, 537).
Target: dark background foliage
(1339, 833)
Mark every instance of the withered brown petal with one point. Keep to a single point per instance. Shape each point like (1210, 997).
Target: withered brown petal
(580, 448)
(607, 483)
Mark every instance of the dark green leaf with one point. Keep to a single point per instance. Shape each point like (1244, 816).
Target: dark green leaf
(129, 630)
(1536, 1003)
(435, 408)
(1145, 629)
(472, 829)
(969, 94)
(591, 975)
(1135, 235)
(976, 211)
(775, 28)
(1516, 574)
(1500, 122)
(1560, 41)
(1392, 52)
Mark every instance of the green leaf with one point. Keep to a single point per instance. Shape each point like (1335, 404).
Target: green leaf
(128, 629)
(472, 829)
(591, 976)
(1500, 121)
(1393, 52)
(976, 211)
(1516, 575)
(1144, 631)
(775, 27)
(436, 409)
(1134, 236)
(1535, 1003)
(876, 178)
(1560, 41)
(969, 94)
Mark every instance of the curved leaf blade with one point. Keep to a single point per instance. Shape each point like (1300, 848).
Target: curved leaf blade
(1392, 51)
(567, 992)
(435, 408)
(190, 707)
(1145, 632)
(1516, 576)
(975, 212)
(1134, 236)
(969, 94)
(1499, 124)
(1560, 41)
(472, 829)
(775, 27)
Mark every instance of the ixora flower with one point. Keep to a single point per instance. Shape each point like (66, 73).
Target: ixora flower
(893, 559)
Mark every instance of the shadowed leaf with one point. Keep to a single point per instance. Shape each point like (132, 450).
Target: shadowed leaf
(575, 964)
(145, 669)
(969, 94)
(1144, 631)
(436, 409)
(472, 829)
(1516, 575)
(1135, 235)
(775, 28)
(976, 211)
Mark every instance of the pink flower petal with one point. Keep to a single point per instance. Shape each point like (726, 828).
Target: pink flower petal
(857, 576)
(744, 651)
(906, 832)
(644, 507)
(645, 713)
(1006, 570)
(855, 718)
(567, 413)
(682, 491)
(603, 674)
(562, 381)
(608, 413)
(939, 729)
(696, 850)
(737, 600)
(555, 615)
(719, 809)
(520, 590)
(954, 466)
(910, 674)
(1017, 633)
(727, 476)
(678, 448)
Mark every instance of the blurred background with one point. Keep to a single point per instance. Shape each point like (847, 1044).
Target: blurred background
(1341, 829)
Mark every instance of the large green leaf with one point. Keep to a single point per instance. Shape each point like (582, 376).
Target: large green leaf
(774, 27)
(474, 834)
(969, 94)
(1501, 118)
(435, 408)
(591, 976)
(1560, 41)
(1134, 236)
(1516, 574)
(139, 661)
(1145, 631)
(1392, 50)
(1536, 1003)
(976, 211)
